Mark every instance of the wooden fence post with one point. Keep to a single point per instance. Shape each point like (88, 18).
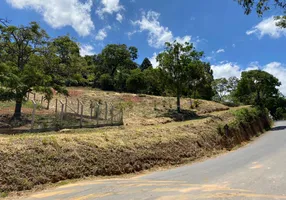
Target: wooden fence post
(78, 106)
(81, 115)
(62, 112)
(28, 96)
(91, 109)
(97, 114)
(34, 96)
(111, 115)
(121, 116)
(48, 105)
(106, 111)
(56, 105)
(66, 105)
(33, 114)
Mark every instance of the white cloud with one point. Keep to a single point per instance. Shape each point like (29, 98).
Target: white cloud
(154, 61)
(228, 69)
(184, 39)
(86, 50)
(60, 13)
(109, 7)
(158, 35)
(119, 17)
(102, 33)
(279, 71)
(233, 45)
(220, 51)
(267, 27)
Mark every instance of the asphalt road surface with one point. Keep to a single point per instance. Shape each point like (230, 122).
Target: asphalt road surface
(256, 171)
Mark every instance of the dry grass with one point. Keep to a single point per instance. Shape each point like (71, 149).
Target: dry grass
(150, 138)
(33, 159)
(143, 109)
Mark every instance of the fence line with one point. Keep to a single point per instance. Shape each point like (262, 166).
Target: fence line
(69, 114)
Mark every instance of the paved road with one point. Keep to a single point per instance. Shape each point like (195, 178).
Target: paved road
(256, 171)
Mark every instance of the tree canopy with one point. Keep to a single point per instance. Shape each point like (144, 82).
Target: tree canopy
(177, 63)
(23, 52)
(260, 6)
(145, 64)
(256, 86)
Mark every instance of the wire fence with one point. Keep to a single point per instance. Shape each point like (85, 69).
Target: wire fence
(40, 115)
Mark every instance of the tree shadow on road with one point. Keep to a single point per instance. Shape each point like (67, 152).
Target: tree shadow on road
(278, 128)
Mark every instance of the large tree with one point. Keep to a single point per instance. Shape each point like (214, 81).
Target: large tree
(201, 79)
(72, 66)
(260, 6)
(176, 65)
(18, 45)
(29, 61)
(220, 87)
(224, 89)
(115, 57)
(256, 87)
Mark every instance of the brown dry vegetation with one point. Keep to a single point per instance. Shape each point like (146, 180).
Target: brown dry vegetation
(144, 109)
(152, 136)
(33, 159)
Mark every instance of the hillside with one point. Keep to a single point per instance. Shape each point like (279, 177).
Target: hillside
(146, 109)
(151, 137)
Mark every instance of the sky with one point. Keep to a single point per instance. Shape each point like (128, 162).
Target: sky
(232, 42)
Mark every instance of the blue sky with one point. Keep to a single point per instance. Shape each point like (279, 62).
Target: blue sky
(232, 42)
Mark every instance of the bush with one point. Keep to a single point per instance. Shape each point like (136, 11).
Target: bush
(106, 82)
(135, 82)
(279, 114)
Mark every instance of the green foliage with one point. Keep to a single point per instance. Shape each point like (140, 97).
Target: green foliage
(24, 54)
(197, 103)
(256, 86)
(145, 64)
(106, 82)
(114, 57)
(224, 89)
(279, 114)
(264, 5)
(153, 83)
(177, 64)
(120, 79)
(135, 82)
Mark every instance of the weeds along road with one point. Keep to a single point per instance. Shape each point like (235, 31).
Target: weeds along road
(256, 171)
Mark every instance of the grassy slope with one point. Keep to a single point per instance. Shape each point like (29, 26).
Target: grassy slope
(33, 159)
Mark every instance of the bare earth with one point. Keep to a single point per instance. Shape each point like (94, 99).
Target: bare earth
(256, 171)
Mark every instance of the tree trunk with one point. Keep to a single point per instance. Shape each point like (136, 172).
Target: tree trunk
(178, 102)
(18, 108)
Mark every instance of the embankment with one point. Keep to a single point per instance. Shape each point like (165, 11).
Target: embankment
(34, 159)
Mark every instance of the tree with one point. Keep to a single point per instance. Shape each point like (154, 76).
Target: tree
(263, 5)
(153, 83)
(220, 86)
(224, 89)
(145, 64)
(201, 79)
(115, 56)
(106, 82)
(72, 66)
(256, 87)
(20, 48)
(135, 82)
(120, 79)
(175, 64)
